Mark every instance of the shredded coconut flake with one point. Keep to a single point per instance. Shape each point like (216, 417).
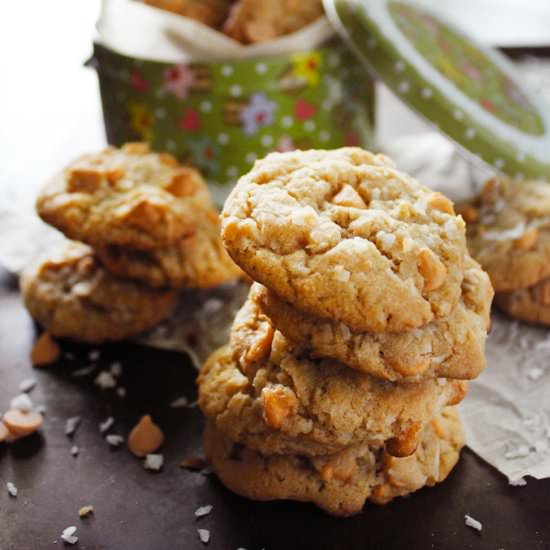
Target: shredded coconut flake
(506, 234)
(114, 440)
(203, 510)
(180, 403)
(68, 535)
(94, 355)
(473, 523)
(84, 371)
(105, 380)
(12, 489)
(121, 392)
(116, 368)
(71, 425)
(75, 450)
(387, 240)
(22, 403)
(154, 462)
(204, 535)
(520, 482)
(106, 424)
(27, 385)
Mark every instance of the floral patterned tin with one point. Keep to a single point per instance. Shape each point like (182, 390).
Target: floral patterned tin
(221, 116)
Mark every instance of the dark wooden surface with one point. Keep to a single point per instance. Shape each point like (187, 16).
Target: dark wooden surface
(136, 509)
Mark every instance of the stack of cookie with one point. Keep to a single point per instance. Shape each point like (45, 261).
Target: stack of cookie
(338, 382)
(508, 232)
(149, 227)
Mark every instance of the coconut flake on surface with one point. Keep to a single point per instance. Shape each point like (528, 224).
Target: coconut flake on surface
(106, 425)
(84, 371)
(204, 535)
(121, 392)
(202, 511)
(180, 403)
(68, 535)
(473, 523)
(12, 489)
(114, 440)
(94, 355)
(520, 482)
(116, 368)
(105, 380)
(27, 385)
(154, 462)
(71, 425)
(75, 450)
(21, 402)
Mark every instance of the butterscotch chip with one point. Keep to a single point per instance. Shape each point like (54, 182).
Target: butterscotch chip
(196, 261)
(21, 424)
(339, 483)
(72, 296)
(510, 238)
(45, 351)
(450, 347)
(4, 433)
(392, 265)
(406, 444)
(287, 403)
(85, 511)
(251, 21)
(127, 197)
(195, 464)
(441, 202)
(145, 438)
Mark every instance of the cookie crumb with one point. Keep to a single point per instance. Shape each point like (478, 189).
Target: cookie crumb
(204, 535)
(85, 511)
(12, 489)
(154, 462)
(473, 523)
(27, 385)
(71, 425)
(68, 535)
(202, 511)
(105, 380)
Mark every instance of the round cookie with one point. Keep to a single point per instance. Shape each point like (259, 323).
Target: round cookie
(196, 261)
(72, 296)
(273, 400)
(251, 21)
(527, 304)
(340, 484)
(126, 197)
(508, 232)
(450, 347)
(345, 236)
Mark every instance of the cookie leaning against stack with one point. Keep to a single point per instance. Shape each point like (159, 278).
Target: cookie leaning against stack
(151, 228)
(508, 231)
(366, 319)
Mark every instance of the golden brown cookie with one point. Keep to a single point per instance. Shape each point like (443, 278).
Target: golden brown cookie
(450, 347)
(209, 12)
(345, 236)
(71, 296)
(527, 304)
(341, 483)
(251, 21)
(125, 197)
(508, 232)
(196, 261)
(274, 400)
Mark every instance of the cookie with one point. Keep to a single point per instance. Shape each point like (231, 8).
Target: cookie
(250, 21)
(341, 483)
(508, 232)
(269, 397)
(345, 236)
(196, 261)
(210, 12)
(71, 296)
(126, 197)
(450, 347)
(527, 304)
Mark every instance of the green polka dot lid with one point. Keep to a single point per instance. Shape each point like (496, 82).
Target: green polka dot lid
(470, 92)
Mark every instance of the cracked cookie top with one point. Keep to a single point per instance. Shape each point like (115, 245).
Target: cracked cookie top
(127, 197)
(344, 235)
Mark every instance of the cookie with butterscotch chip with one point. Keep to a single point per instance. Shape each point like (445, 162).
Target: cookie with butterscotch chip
(343, 235)
(125, 197)
(340, 483)
(196, 261)
(508, 232)
(210, 12)
(266, 394)
(72, 296)
(450, 347)
(251, 22)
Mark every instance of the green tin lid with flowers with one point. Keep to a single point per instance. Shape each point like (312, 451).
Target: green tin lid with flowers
(470, 92)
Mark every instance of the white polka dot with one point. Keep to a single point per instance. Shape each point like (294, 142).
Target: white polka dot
(223, 139)
(206, 106)
(333, 60)
(520, 157)
(235, 91)
(404, 87)
(232, 171)
(399, 66)
(499, 163)
(170, 144)
(324, 136)
(261, 68)
(267, 140)
(227, 70)
(160, 112)
(250, 157)
(372, 42)
(326, 105)
(309, 125)
(470, 133)
(160, 93)
(287, 121)
(426, 93)
(459, 115)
